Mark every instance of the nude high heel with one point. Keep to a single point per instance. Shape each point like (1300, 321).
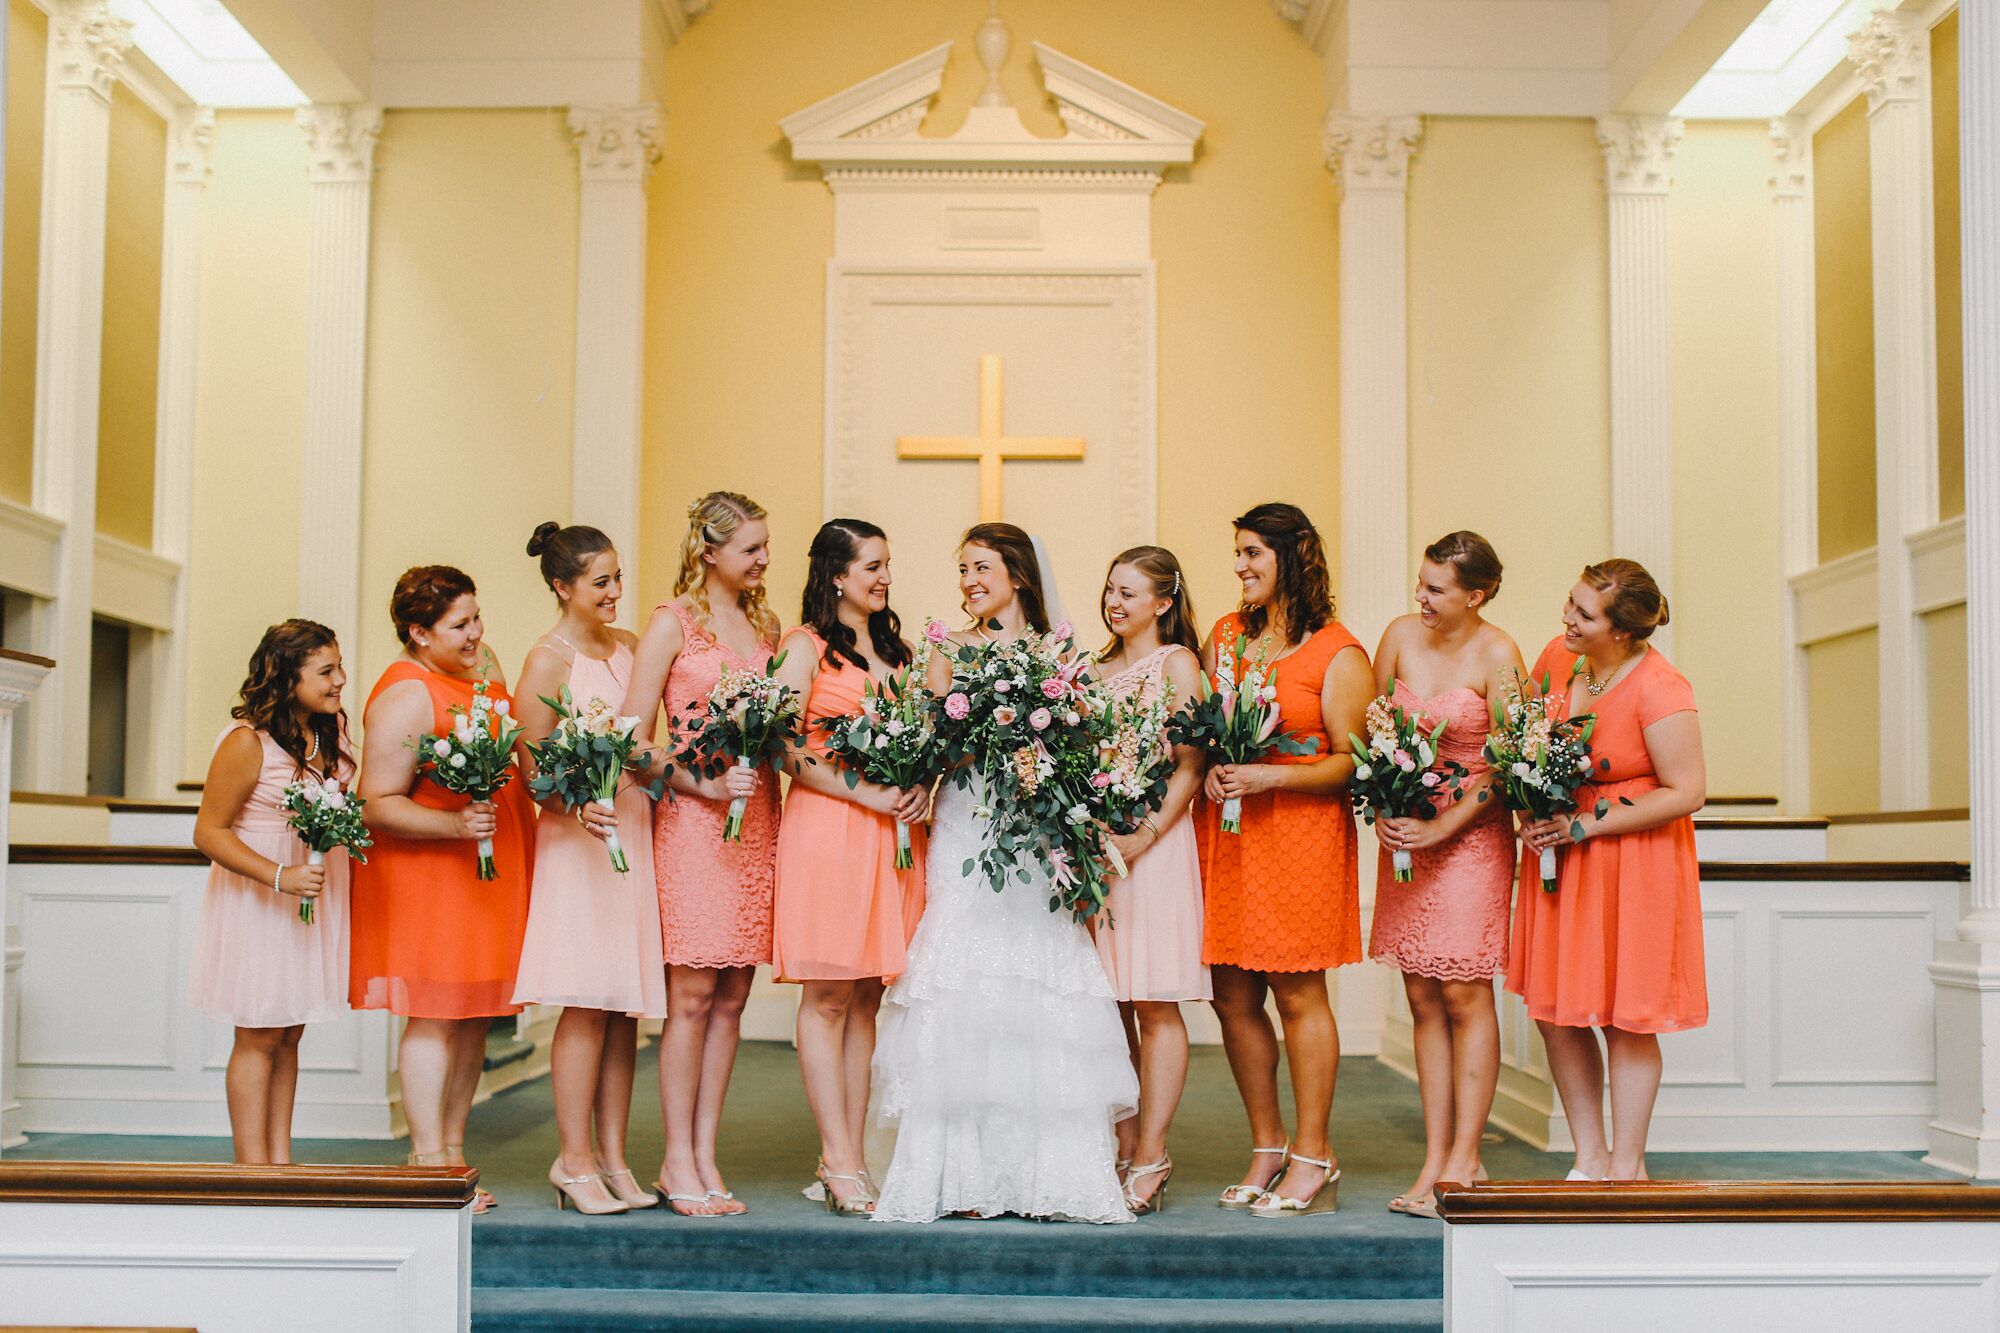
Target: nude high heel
(1158, 1200)
(1240, 1197)
(570, 1190)
(861, 1204)
(624, 1187)
(1325, 1199)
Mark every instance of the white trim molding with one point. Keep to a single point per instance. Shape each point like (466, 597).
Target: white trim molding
(1798, 429)
(30, 549)
(135, 586)
(1836, 599)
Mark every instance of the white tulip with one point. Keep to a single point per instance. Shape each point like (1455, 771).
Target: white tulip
(458, 761)
(440, 748)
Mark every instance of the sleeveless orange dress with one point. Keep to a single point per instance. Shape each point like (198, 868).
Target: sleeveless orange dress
(430, 940)
(1284, 895)
(1618, 944)
(842, 911)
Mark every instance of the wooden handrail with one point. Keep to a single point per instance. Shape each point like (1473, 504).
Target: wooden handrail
(1759, 822)
(218, 1183)
(1866, 872)
(100, 854)
(118, 805)
(1950, 814)
(1531, 1202)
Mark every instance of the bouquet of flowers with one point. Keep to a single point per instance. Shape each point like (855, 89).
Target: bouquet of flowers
(583, 758)
(325, 817)
(1238, 723)
(1398, 773)
(750, 718)
(1539, 758)
(1022, 713)
(1134, 760)
(475, 758)
(893, 740)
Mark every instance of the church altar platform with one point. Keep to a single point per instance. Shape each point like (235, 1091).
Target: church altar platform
(789, 1264)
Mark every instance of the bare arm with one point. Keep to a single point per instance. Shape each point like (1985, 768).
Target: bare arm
(399, 715)
(652, 660)
(1385, 656)
(232, 777)
(1674, 744)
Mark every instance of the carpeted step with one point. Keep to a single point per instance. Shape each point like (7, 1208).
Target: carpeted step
(596, 1310)
(1229, 1257)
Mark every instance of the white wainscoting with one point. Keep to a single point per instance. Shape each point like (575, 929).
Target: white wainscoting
(1723, 1277)
(1819, 1035)
(228, 1269)
(106, 1040)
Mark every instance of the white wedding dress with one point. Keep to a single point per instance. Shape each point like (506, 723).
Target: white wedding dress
(1001, 1061)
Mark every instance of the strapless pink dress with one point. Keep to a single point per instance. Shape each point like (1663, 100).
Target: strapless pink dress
(1450, 921)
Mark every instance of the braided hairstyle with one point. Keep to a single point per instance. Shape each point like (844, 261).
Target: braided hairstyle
(1304, 600)
(834, 547)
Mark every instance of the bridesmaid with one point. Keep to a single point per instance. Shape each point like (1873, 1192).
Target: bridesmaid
(844, 914)
(1151, 943)
(1446, 931)
(1283, 896)
(715, 897)
(1618, 945)
(432, 942)
(257, 966)
(593, 936)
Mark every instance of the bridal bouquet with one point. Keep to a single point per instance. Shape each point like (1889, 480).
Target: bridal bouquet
(1539, 758)
(1398, 773)
(1238, 723)
(893, 740)
(325, 817)
(583, 758)
(475, 758)
(1021, 713)
(750, 718)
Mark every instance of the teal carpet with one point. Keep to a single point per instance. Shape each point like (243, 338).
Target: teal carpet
(787, 1264)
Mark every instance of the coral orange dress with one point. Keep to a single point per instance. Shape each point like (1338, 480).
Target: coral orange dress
(1618, 944)
(715, 896)
(1284, 894)
(841, 911)
(430, 939)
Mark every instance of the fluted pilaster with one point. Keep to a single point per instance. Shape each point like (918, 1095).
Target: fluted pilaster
(1798, 414)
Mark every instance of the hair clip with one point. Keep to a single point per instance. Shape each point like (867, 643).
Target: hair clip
(1177, 585)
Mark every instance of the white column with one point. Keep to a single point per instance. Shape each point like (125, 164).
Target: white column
(1637, 153)
(86, 48)
(1892, 52)
(19, 677)
(1966, 1135)
(1798, 427)
(616, 149)
(340, 141)
(190, 136)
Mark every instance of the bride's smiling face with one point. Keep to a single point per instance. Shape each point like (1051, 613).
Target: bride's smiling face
(983, 582)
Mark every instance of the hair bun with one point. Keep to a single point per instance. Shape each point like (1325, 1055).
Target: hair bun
(540, 541)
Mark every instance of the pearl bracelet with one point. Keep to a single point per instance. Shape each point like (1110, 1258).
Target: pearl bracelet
(277, 877)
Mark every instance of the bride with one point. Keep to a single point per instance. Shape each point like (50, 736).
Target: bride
(1001, 1063)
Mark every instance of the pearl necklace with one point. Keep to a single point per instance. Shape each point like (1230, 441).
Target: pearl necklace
(312, 752)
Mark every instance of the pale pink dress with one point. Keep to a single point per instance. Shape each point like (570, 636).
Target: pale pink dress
(1151, 946)
(593, 936)
(1449, 922)
(715, 896)
(256, 965)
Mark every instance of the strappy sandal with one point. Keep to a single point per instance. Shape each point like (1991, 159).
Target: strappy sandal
(858, 1205)
(1241, 1197)
(1424, 1206)
(729, 1195)
(672, 1199)
(1325, 1199)
(1157, 1201)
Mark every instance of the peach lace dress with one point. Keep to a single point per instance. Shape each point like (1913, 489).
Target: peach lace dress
(715, 896)
(1450, 921)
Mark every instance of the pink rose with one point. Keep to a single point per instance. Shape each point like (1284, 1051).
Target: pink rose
(934, 631)
(1403, 761)
(956, 706)
(1063, 631)
(1052, 688)
(1100, 780)
(1040, 719)
(1430, 779)
(1005, 715)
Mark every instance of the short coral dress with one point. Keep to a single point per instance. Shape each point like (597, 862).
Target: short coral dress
(431, 939)
(1449, 922)
(593, 935)
(715, 896)
(256, 965)
(1284, 894)
(1618, 944)
(842, 910)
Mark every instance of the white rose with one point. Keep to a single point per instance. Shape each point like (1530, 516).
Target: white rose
(1363, 772)
(458, 761)
(1078, 815)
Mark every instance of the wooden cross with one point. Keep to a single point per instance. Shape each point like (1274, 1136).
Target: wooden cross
(991, 447)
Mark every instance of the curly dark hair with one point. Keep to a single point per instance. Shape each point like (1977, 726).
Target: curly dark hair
(1304, 602)
(833, 549)
(267, 697)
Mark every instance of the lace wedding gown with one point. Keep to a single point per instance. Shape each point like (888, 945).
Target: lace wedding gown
(1001, 1061)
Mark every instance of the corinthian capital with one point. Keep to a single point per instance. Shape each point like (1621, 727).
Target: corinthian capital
(88, 45)
(1637, 152)
(191, 143)
(340, 141)
(616, 143)
(1791, 157)
(1370, 152)
(1893, 53)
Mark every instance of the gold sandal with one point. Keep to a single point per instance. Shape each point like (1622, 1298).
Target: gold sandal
(1274, 1204)
(1240, 1197)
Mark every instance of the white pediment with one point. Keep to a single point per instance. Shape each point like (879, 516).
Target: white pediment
(1109, 125)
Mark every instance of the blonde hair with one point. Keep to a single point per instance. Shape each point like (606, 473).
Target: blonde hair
(712, 521)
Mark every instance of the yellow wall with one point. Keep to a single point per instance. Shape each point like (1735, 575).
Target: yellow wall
(1509, 369)
(1724, 357)
(27, 54)
(1844, 729)
(1950, 333)
(1844, 308)
(1945, 663)
(135, 196)
(740, 239)
(249, 409)
(471, 346)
